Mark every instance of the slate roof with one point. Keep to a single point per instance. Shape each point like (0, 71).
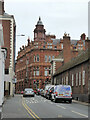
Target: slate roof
(60, 55)
(74, 42)
(74, 62)
(55, 41)
(6, 15)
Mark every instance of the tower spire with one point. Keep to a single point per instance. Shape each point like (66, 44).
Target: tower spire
(39, 18)
(39, 31)
(39, 21)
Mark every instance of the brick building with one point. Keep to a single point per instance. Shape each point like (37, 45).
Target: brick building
(9, 31)
(33, 67)
(71, 49)
(74, 70)
(33, 60)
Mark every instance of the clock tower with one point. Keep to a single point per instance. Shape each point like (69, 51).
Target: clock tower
(39, 31)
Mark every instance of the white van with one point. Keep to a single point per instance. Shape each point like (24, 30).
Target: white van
(62, 93)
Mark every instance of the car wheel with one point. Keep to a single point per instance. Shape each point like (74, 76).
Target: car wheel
(70, 101)
(55, 100)
(51, 99)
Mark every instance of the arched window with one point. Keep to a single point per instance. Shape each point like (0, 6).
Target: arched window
(34, 71)
(35, 35)
(45, 58)
(37, 71)
(34, 58)
(49, 59)
(46, 71)
(49, 72)
(37, 58)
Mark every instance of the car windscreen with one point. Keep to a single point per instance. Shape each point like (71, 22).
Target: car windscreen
(63, 89)
(28, 89)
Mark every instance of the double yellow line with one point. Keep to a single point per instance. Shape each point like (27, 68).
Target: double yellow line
(30, 111)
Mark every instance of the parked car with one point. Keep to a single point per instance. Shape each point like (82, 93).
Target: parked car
(62, 93)
(35, 91)
(42, 92)
(28, 92)
(46, 89)
(22, 92)
(50, 91)
(38, 91)
(18, 92)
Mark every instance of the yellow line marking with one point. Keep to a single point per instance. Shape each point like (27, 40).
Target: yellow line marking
(80, 114)
(29, 110)
(33, 112)
(61, 106)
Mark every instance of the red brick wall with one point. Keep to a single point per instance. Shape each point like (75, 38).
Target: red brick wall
(58, 65)
(66, 48)
(6, 35)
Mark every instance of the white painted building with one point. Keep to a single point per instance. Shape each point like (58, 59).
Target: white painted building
(2, 65)
(9, 34)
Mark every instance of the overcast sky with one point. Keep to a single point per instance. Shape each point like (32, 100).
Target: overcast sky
(58, 16)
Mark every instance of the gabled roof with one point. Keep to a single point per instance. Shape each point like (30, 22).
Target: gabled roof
(74, 62)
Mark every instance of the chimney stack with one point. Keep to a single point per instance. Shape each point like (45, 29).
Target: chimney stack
(2, 7)
(66, 48)
(87, 44)
(83, 36)
(28, 41)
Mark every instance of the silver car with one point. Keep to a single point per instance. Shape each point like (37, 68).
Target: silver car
(28, 92)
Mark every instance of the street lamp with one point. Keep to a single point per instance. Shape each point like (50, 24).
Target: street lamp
(20, 35)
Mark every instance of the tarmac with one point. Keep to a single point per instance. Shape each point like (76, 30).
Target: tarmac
(79, 102)
(74, 101)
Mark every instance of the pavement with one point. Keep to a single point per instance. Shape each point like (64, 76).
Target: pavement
(79, 102)
(0, 111)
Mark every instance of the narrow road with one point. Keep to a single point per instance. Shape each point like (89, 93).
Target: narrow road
(38, 107)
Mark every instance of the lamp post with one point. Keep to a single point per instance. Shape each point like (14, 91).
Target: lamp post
(19, 35)
(27, 62)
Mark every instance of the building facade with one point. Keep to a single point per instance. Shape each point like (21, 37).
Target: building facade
(9, 31)
(76, 74)
(33, 68)
(2, 65)
(74, 71)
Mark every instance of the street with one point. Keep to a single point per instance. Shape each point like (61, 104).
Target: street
(39, 107)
